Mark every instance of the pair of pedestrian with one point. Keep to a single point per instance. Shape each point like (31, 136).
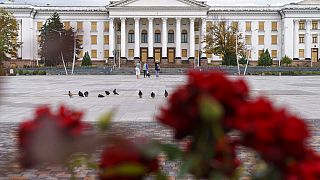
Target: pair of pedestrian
(146, 72)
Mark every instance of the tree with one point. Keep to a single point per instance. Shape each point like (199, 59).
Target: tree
(86, 60)
(221, 41)
(265, 59)
(286, 60)
(56, 40)
(8, 35)
(243, 60)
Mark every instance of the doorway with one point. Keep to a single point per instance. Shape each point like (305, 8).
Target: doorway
(314, 55)
(171, 55)
(143, 54)
(157, 54)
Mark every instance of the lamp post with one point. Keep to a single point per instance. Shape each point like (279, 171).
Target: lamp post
(74, 52)
(114, 52)
(64, 65)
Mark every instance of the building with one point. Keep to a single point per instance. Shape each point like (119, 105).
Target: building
(172, 31)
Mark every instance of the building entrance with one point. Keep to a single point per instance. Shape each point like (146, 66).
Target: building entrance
(143, 54)
(314, 55)
(171, 55)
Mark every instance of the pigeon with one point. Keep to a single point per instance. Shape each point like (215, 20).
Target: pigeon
(70, 94)
(80, 94)
(153, 95)
(140, 94)
(166, 93)
(115, 92)
(107, 93)
(86, 94)
(100, 96)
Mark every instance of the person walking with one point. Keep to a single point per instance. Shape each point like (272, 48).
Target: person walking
(157, 68)
(145, 69)
(137, 69)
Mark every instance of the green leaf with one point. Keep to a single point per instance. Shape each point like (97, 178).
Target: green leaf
(186, 166)
(161, 176)
(129, 170)
(211, 110)
(105, 120)
(172, 151)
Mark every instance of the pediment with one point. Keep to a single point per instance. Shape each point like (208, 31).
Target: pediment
(157, 3)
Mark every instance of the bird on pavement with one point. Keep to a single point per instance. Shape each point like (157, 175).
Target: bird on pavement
(100, 96)
(153, 95)
(70, 94)
(107, 93)
(140, 94)
(115, 92)
(80, 94)
(166, 94)
(86, 94)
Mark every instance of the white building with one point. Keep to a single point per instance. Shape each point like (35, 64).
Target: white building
(172, 31)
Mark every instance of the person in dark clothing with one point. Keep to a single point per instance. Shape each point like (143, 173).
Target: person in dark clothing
(157, 68)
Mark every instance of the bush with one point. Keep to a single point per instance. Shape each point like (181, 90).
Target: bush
(42, 73)
(286, 60)
(243, 60)
(265, 59)
(229, 59)
(86, 60)
(36, 72)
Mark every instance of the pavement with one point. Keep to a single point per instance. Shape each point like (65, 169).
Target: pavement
(21, 94)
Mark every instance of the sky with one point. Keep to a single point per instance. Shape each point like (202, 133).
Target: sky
(103, 2)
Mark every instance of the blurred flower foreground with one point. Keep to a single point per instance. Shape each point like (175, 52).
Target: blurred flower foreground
(211, 116)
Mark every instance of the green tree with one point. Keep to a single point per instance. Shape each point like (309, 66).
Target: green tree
(8, 35)
(221, 40)
(243, 60)
(86, 60)
(265, 59)
(54, 40)
(286, 60)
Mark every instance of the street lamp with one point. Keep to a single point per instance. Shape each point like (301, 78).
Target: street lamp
(64, 65)
(114, 52)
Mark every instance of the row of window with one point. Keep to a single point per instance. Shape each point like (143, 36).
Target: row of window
(302, 37)
(67, 25)
(157, 36)
(261, 26)
(274, 39)
(302, 25)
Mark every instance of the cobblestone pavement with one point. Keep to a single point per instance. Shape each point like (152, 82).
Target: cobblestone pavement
(135, 117)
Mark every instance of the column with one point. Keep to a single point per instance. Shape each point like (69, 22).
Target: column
(318, 40)
(111, 38)
(136, 38)
(150, 39)
(164, 38)
(203, 35)
(123, 38)
(295, 39)
(191, 50)
(178, 38)
(308, 40)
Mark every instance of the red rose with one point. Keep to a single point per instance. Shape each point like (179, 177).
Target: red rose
(122, 154)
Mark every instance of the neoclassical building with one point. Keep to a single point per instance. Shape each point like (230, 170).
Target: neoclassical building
(172, 31)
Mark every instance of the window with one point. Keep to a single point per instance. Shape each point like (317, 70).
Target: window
(94, 26)
(209, 55)
(106, 39)
(93, 53)
(170, 36)
(260, 52)
(106, 53)
(81, 54)
(248, 39)
(274, 39)
(39, 26)
(131, 36)
(157, 36)
(274, 26)
(314, 25)
(235, 24)
(301, 38)
(131, 53)
(248, 26)
(196, 26)
(301, 53)
(302, 25)
(118, 39)
(274, 53)
(80, 26)
(184, 36)
(93, 39)
(248, 54)
(80, 38)
(196, 39)
(66, 25)
(314, 38)
(261, 39)
(184, 52)
(106, 26)
(261, 26)
(144, 36)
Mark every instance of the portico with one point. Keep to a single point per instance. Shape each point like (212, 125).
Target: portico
(154, 31)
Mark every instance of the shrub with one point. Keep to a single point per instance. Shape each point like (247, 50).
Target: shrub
(36, 72)
(20, 72)
(86, 60)
(229, 59)
(243, 60)
(42, 73)
(286, 60)
(265, 59)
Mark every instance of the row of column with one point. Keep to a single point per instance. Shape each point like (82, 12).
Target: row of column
(150, 38)
(307, 38)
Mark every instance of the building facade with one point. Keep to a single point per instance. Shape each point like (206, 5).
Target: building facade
(173, 31)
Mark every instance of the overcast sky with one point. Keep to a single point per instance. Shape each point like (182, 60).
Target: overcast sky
(103, 2)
